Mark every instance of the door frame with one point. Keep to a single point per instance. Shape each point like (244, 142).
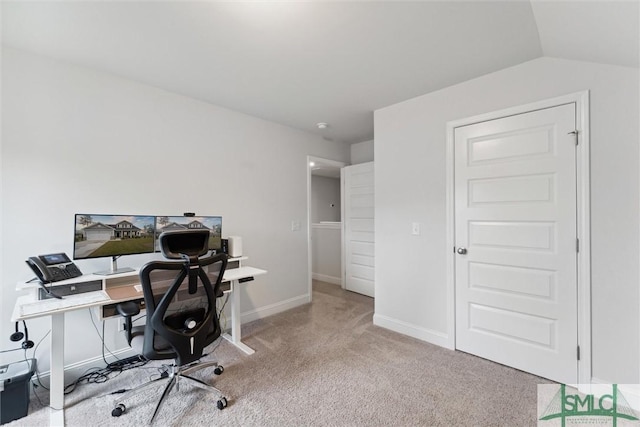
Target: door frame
(327, 162)
(581, 99)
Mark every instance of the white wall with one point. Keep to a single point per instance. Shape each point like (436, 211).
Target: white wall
(326, 252)
(410, 187)
(362, 152)
(325, 199)
(77, 140)
(326, 239)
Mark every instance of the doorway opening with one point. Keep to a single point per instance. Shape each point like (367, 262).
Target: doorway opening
(324, 219)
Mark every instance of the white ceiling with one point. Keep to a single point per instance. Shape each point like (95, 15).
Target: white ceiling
(299, 63)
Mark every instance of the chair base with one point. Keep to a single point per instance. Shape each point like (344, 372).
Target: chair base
(177, 375)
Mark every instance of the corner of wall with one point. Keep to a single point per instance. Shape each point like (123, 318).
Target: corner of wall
(362, 152)
(424, 334)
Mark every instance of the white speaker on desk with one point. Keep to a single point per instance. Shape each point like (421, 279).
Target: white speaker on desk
(235, 246)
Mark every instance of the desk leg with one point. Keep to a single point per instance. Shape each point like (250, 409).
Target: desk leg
(236, 334)
(56, 379)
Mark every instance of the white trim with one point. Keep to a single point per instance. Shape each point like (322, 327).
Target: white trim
(327, 225)
(343, 255)
(583, 202)
(271, 309)
(79, 368)
(428, 335)
(329, 279)
(581, 99)
(451, 238)
(631, 392)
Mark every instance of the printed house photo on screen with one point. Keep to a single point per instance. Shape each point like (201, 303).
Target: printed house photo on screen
(211, 223)
(113, 235)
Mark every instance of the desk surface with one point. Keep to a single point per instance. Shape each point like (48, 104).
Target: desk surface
(114, 294)
(125, 276)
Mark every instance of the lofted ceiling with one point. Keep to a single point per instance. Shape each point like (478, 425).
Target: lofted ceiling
(302, 62)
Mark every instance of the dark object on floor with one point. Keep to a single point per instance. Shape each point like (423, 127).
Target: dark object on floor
(14, 389)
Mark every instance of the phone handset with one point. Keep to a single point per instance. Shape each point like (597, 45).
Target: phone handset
(41, 270)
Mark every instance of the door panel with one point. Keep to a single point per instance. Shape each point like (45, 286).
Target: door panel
(359, 228)
(512, 326)
(528, 282)
(509, 190)
(512, 234)
(515, 214)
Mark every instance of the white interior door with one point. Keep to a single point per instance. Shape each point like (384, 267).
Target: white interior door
(359, 239)
(516, 241)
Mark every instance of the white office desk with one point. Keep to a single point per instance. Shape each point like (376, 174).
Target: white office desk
(118, 288)
(233, 276)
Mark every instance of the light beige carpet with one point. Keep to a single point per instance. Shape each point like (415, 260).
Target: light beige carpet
(323, 364)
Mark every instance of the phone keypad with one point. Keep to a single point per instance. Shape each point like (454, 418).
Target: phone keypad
(65, 271)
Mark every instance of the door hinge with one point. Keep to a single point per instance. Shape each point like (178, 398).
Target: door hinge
(578, 352)
(575, 132)
(578, 245)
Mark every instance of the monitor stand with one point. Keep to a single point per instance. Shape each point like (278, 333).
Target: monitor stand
(114, 268)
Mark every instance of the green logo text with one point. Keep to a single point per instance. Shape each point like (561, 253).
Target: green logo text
(612, 405)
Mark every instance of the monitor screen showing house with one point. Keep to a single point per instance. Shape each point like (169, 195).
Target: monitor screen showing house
(113, 235)
(211, 223)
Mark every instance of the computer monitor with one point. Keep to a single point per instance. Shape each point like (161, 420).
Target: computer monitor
(98, 236)
(211, 223)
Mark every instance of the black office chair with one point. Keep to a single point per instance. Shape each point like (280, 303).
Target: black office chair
(180, 300)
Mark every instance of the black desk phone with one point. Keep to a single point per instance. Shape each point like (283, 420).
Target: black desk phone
(53, 267)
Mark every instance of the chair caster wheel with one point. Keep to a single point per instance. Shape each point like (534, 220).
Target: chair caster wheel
(118, 410)
(218, 370)
(222, 403)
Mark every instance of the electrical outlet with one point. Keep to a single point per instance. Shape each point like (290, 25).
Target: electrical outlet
(295, 225)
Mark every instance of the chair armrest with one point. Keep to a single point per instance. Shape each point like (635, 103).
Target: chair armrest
(128, 310)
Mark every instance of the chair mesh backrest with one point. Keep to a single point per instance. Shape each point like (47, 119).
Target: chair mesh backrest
(181, 244)
(180, 323)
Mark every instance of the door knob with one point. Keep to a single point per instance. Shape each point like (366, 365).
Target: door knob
(462, 251)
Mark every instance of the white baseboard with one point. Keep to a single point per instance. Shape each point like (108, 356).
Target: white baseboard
(433, 337)
(329, 279)
(268, 310)
(631, 392)
(77, 369)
